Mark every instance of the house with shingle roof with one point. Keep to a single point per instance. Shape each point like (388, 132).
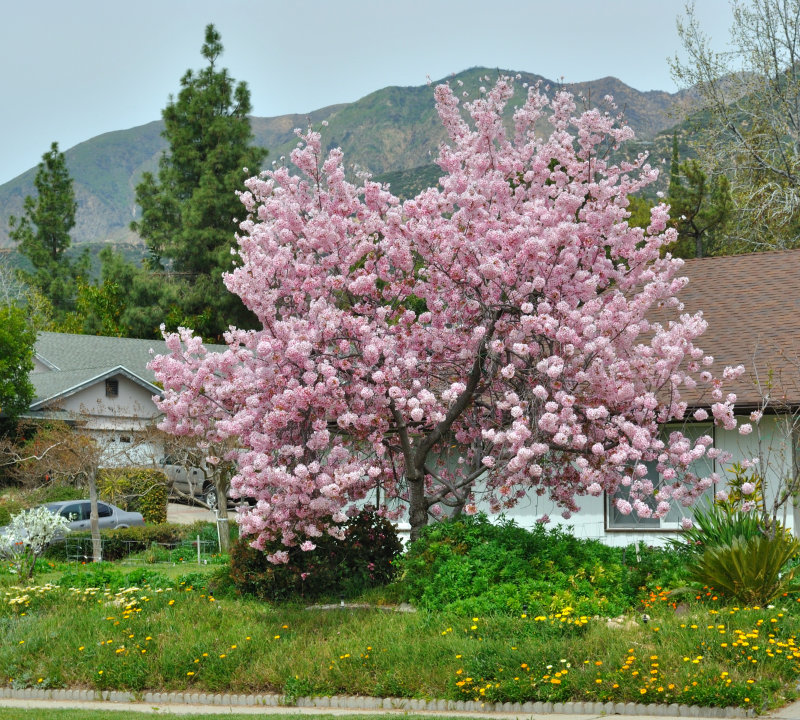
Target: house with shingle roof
(750, 302)
(752, 306)
(101, 381)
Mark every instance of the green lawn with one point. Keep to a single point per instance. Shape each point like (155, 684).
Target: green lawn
(181, 638)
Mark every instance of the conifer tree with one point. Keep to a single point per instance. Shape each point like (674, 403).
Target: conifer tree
(43, 234)
(188, 211)
(700, 207)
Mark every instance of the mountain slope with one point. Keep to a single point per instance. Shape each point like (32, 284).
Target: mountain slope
(391, 130)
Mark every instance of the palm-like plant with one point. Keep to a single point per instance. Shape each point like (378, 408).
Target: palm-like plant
(733, 552)
(715, 526)
(748, 569)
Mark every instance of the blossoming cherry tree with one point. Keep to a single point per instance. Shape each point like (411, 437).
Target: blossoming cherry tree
(488, 339)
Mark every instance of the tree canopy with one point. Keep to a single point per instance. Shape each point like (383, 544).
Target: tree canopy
(750, 94)
(700, 207)
(488, 340)
(42, 234)
(188, 210)
(17, 339)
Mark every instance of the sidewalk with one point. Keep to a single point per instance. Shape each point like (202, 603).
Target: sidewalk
(206, 703)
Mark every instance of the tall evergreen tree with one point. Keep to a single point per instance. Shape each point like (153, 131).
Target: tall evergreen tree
(700, 207)
(43, 233)
(17, 338)
(188, 211)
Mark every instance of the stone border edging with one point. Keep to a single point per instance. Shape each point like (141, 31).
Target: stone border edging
(347, 702)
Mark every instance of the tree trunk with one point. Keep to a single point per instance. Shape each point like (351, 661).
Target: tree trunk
(94, 518)
(418, 507)
(221, 487)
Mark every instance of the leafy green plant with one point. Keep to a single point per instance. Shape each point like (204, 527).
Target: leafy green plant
(143, 490)
(471, 565)
(749, 570)
(733, 552)
(716, 525)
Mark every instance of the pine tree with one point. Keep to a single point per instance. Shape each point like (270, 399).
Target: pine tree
(43, 234)
(188, 211)
(700, 207)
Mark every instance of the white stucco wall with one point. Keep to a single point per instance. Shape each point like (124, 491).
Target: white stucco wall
(130, 410)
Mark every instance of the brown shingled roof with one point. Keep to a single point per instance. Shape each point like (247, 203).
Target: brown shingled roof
(752, 306)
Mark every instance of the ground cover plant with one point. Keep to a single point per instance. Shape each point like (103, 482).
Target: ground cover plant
(134, 636)
(472, 565)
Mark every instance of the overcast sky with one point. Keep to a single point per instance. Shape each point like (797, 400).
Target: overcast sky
(72, 70)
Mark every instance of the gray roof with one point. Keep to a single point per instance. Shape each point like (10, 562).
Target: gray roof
(86, 352)
(78, 361)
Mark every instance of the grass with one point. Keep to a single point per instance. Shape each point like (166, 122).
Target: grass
(183, 638)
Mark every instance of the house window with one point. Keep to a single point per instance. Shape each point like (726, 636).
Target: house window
(615, 520)
(112, 388)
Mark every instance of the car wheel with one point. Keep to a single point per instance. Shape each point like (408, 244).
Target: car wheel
(121, 527)
(210, 498)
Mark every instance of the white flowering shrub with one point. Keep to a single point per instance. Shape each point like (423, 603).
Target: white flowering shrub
(29, 533)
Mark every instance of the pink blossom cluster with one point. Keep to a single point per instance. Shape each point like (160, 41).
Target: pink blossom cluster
(490, 334)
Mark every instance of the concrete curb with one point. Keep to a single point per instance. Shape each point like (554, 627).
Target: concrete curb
(359, 703)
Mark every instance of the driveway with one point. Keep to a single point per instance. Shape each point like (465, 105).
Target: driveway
(188, 514)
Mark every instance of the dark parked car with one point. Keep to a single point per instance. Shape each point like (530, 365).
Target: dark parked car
(110, 516)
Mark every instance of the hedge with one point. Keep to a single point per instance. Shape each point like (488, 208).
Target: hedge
(143, 490)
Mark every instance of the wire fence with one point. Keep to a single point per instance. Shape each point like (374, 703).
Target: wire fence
(130, 552)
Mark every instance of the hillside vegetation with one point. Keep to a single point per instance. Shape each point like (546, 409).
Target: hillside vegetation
(393, 130)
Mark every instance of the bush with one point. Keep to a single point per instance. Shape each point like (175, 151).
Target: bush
(364, 559)
(8, 508)
(731, 551)
(472, 566)
(143, 490)
(749, 570)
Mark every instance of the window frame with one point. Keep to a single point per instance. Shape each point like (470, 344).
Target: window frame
(112, 388)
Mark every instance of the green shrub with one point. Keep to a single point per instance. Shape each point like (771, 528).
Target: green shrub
(749, 570)
(8, 508)
(143, 490)
(363, 559)
(56, 492)
(473, 566)
(731, 551)
(714, 526)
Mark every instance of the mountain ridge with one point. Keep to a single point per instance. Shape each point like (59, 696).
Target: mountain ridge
(391, 130)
